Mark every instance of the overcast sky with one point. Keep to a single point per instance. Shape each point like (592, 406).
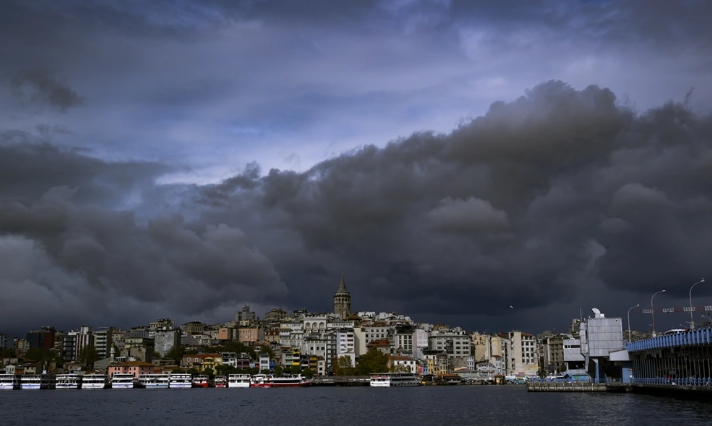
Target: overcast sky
(453, 158)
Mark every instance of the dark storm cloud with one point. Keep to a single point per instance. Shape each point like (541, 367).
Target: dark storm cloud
(69, 212)
(519, 206)
(556, 196)
(40, 88)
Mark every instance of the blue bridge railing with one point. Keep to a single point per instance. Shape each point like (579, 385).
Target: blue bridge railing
(688, 338)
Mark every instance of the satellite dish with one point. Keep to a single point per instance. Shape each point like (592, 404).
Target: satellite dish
(595, 311)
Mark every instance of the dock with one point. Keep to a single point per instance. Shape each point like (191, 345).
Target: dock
(568, 387)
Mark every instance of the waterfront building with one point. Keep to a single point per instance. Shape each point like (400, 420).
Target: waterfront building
(103, 340)
(345, 345)
(369, 333)
(264, 361)
(342, 300)
(202, 362)
(320, 345)
(600, 336)
(454, 343)
(193, 327)
(275, 315)
(42, 338)
(162, 324)
(250, 335)
(76, 340)
(4, 341)
(136, 368)
(138, 348)
(552, 353)
(165, 340)
(402, 364)
(523, 354)
(245, 315)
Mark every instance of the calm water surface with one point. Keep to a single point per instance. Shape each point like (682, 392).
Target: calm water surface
(457, 405)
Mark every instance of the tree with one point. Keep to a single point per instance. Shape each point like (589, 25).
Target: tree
(88, 356)
(308, 373)
(193, 371)
(7, 353)
(176, 371)
(176, 354)
(344, 366)
(295, 369)
(373, 361)
(209, 372)
(278, 370)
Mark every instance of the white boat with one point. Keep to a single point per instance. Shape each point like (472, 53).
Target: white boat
(180, 381)
(238, 380)
(36, 381)
(9, 381)
(94, 381)
(154, 381)
(69, 381)
(269, 381)
(122, 381)
(392, 380)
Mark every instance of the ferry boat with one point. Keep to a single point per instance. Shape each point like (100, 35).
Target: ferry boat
(220, 381)
(37, 381)
(123, 381)
(68, 381)
(94, 381)
(200, 381)
(239, 380)
(269, 381)
(9, 381)
(392, 380)
(154, 381)
(180, 381)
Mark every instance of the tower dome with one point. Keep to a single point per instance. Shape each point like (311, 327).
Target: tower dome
(342, 300)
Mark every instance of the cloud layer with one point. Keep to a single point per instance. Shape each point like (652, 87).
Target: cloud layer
(552, 199)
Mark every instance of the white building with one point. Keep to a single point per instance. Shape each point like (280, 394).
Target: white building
(524, 355)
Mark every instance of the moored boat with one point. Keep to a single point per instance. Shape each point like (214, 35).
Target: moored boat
(200, 381)
(220, 381)
(154, 381)
(391, 380)
(37, 381)
(123, 381)
(94, 381)
(9, 381)
(238, 381)
(269, 381)
(180, 381)
(68, 381)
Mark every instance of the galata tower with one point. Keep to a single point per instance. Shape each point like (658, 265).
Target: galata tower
(342, 300)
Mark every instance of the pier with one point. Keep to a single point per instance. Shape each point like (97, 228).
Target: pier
(568, 387)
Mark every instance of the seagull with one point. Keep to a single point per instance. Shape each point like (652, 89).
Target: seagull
(511, 307)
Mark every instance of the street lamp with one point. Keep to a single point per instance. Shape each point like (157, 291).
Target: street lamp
(632, 307)
(652, 309)
(692, 319)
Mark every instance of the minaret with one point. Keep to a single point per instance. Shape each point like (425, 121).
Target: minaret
(342, 300)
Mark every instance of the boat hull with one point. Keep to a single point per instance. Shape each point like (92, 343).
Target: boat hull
(122, 386)
(93, 385)
(180, 385)
(280, 385)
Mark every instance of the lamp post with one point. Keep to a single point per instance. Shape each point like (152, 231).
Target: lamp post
(652, 309)
(632, 307)
(692, 319)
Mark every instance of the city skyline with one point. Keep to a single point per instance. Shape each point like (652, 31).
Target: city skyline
(492, 166)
